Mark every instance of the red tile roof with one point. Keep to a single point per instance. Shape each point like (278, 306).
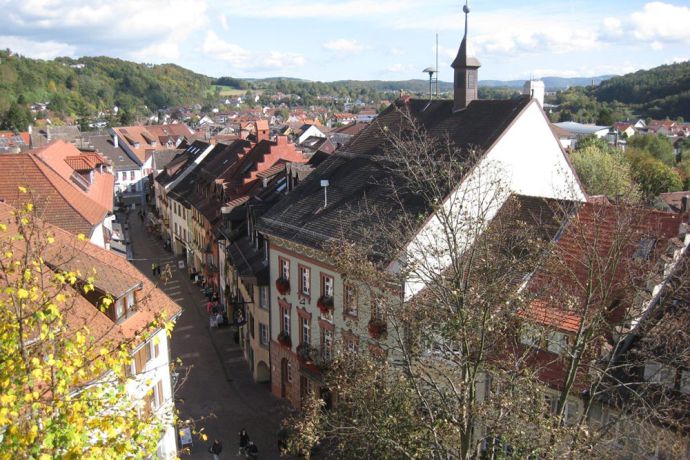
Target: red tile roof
(57, 200)
(112, 274)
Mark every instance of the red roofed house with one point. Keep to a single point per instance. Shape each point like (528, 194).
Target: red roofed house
(607, 266)
(139, 142)
(137, 303)
(69, 189)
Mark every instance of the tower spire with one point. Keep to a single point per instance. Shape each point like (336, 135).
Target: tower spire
(465, 71)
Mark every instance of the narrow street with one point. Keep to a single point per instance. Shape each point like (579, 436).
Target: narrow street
(218, 387)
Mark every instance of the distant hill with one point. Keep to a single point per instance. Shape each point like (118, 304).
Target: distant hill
(551, 83)
(663, 91)
(89, 84)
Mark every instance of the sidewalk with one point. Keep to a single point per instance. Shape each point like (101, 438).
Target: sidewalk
(219, 385)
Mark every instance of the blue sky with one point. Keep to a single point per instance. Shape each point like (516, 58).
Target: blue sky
(356, 39)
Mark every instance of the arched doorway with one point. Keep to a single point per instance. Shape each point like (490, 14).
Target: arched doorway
(263, 374)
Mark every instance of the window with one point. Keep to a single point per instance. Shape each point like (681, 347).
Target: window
(685, 382)
(285, 324)
(263, 297)
(305, 386)
(529, 336)
(251, 325)
(289, 371)
(155, 349)
(141, 358)
(351, 306)
(158, 398)
(120, 307)
(284, 268)
(176, 232)
(655, 372)
(263, 334)
(327, 285)
(305, 325)
(304, 281)
(326, 343)
(557, 342)
(131, 175)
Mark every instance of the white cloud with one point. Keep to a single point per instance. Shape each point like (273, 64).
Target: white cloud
(224, 22)
(39, 50)
(215, 47)
(344, 45)
(309, 9)
(676, 60)
(151, 30)
(662, 22)
(396, 68)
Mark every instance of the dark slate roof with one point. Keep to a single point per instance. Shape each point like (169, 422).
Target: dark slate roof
(164, 156)
(103, 143)
(357, 178)
(181, 162)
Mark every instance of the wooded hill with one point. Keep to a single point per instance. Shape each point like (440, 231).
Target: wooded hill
(82, 87)
(89, 84)
(659, 92)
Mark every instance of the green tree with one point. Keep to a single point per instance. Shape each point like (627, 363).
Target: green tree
(605, 172)
(63, 391)
(17, 118)
(660, 147)
(652, 174)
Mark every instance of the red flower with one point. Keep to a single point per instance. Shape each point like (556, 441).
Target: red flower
(325, 304)
(284, 339)
(377, 328)
(283, 285)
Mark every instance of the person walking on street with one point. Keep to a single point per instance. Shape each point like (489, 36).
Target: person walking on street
(244, 442)
(153, 268)
(252, 450)
(216, 449)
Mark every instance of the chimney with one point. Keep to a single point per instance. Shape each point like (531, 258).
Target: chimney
(534, 89)
(281, 140)
(116, 141)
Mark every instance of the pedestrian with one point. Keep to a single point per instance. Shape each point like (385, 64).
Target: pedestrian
(244, 442)
(153, 268)
(216, 449)
(252, 450)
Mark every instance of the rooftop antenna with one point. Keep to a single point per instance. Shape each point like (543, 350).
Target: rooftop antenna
(325, 184)
(431, 71)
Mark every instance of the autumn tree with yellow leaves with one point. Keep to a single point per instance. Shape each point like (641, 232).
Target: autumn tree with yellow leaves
(63, 387)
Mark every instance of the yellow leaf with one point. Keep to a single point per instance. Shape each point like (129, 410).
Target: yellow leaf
(23, 293)
(51, 240)
(22, 189)
(204, 437)
(81, 237)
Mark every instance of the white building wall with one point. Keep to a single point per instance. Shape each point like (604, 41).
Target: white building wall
(157, 369)
(97, 236)
(526, 160)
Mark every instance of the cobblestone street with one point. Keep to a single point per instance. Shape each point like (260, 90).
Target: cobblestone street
(219, 385)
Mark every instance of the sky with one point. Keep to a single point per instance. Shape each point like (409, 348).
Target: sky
(356, 39)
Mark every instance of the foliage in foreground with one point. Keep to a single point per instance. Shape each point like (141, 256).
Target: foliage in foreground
(62, 388)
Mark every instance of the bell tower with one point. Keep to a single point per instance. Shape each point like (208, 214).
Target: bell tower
(466, 73)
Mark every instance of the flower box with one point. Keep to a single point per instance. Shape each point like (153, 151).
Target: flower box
(283, 285)
(305, 353)
(377, 328)
(325, 304)
(284, 339)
